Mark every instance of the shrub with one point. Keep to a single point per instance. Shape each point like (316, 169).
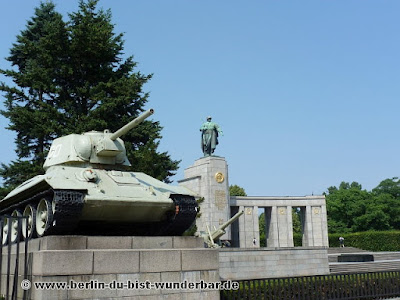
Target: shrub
(369, 240)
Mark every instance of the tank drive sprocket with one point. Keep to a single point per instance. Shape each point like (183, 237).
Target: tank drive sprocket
(185, 214)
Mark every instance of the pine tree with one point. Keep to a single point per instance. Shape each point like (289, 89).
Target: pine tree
(71, 78)
(37, 58)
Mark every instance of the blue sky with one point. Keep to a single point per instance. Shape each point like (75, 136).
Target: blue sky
(306, 92)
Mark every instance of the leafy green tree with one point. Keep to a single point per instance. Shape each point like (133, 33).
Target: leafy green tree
(235, 190)
(71, 77)
(351, 209)
(296, 220)
(344, 204)
(261, 224)
(387, 195)
(389, 186)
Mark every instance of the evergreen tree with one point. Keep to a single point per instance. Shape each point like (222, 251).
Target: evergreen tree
(70, 77)
(37, 58)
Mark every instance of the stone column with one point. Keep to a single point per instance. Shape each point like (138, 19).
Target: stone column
(285, 227)
(324, 219)
(289, 210)
(250, 227)
(208, 177)
(242, 229)
(316, 225)
(308, 228)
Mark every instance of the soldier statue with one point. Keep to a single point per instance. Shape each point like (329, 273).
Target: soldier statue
(209, 137)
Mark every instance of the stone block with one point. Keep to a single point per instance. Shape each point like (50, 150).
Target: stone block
(172, 277)
(191, 276)
(160, 260)
(50, 262)
(203, 295)
(37, 294)
(182, 242)
(3, 288)
(109, 242)
(172, 296)
(151, 277)
(209, 276)
(4, 264)
(156, 242)
(89, 293)
(131, 278)
(250, 264)
(13, 257)
(200, 259)
(115, 261)
(33, 245)
(63, 242)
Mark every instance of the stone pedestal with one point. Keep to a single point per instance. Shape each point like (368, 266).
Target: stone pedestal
(86, 262)
(208, 177)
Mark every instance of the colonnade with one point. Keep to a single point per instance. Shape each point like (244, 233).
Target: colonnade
(278, 214)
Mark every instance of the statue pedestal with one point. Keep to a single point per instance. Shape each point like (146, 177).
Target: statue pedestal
(208, 177)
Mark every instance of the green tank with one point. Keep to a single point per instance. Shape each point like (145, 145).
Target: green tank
(86, 189)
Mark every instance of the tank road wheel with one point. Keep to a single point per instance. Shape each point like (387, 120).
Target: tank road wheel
(29, 221)
(15, 229)
(44, 216)
(5, 231)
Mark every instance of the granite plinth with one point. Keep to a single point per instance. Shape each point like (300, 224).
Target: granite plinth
(123, 264)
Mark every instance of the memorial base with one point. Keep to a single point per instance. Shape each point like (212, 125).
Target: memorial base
(97, 267)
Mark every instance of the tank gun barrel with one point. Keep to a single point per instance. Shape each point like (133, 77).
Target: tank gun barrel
(220, 231)
(131, 124)
(231, 220)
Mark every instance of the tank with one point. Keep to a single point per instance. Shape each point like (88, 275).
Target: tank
(87, 189)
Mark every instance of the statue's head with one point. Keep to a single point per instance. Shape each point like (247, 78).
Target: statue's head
(209, 118)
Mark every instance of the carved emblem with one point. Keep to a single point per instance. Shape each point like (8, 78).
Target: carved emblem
(316, 211)
(282, 211)
(249, 211)
(219, 177)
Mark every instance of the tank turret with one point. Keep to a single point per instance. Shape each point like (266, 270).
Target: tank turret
(93, 147)
(87, 189)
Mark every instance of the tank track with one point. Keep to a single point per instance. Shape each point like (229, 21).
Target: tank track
(185, 214)
(67, 208)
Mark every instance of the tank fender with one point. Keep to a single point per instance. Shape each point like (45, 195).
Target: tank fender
(31, 186)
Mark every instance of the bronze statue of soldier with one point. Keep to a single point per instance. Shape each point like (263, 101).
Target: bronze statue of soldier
(209, 137)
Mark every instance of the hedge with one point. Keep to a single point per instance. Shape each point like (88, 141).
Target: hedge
(368, 240)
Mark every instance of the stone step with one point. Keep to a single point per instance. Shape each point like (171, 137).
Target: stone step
(384, 265)
(76, 242)
(378, 256)
(334, 250)
(386, 255)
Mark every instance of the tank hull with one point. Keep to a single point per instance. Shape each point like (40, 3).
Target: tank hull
(101, 201)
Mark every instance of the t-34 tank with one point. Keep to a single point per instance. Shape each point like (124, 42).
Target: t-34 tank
(86, 189)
